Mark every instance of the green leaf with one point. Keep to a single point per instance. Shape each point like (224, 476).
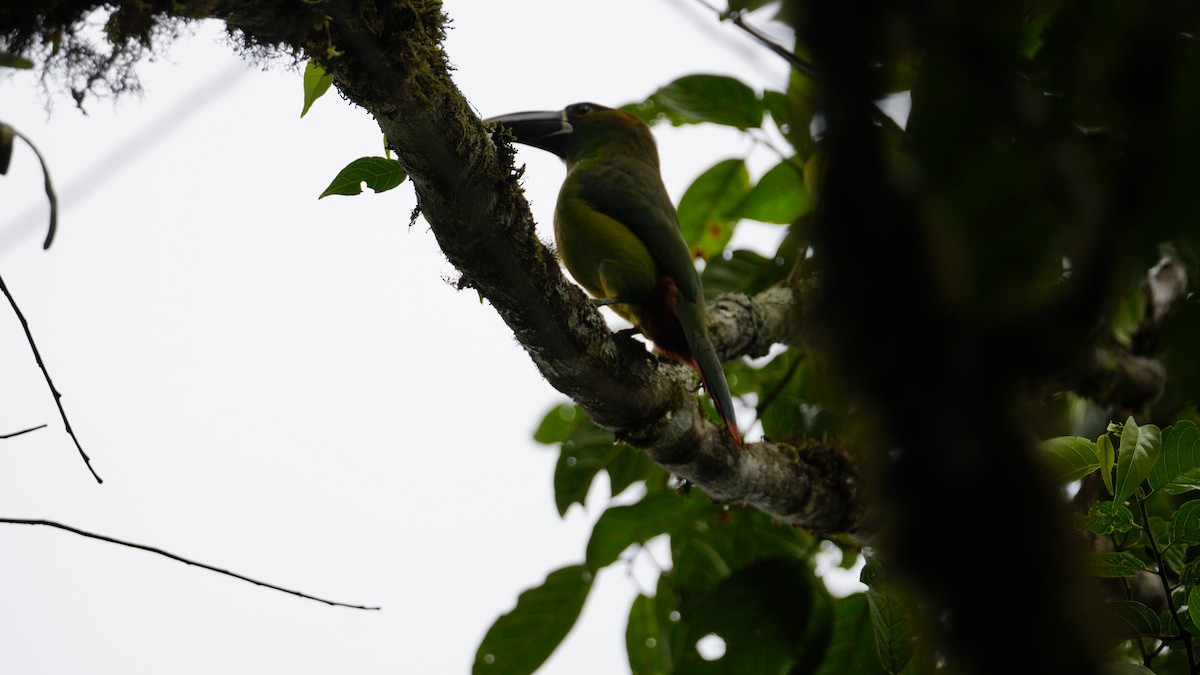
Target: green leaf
(558, 424)
(1125, 669)
(1194, 605)
(792, 403)
(1115, 564)
(779, 196)
(379, 173)
(316, 83)
(1140, 447)
(712, 98)
(588, 450)
(762, 612)
(1189, 574)
(892, 617)
(8, 60)
(1129, 619)
(521, 640)
(706, 210)
(7, 136)
(1106, 518)
(851, 650)
(620, 527)
(720, 540)
(1178, 468)
(742, 271)
(1031, 37)
(1185, 524)
(747, 5)
(626, 467)
(646, 640)
(1070, 457)
(1108, 460)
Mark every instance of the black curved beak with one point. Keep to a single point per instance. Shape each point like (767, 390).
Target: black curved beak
(548, 130)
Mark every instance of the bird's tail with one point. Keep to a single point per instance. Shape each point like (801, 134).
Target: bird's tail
(707, 363)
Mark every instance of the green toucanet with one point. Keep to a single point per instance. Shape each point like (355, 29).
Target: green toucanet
(618, 234)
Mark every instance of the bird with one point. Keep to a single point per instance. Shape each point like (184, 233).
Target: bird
(618, 234)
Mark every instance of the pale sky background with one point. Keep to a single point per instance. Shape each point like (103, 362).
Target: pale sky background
(289, 388)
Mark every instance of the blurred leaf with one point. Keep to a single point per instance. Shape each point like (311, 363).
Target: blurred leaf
(741, 271)
(8, 60)
(620, 527)
(521, 640)
(761, 612)
(720, 540)
(892, 616)
(706, 210)
(1107, 454)
(646, 640)
(711, 98)
(1178, 468)
(1031, 39)
(7, 136)
(898, 74)
(791, 404)
(626, 467)
(316, 83)
(1139, 450)
(747, 5)
(1128, 619)
(1070, 457)
(588, 450)
(852, 649)
(558, 424)
(1115, 564)
(1122, 668)
(379, 173)
(779, 196)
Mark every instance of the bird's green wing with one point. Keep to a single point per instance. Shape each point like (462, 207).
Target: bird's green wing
(633, 194)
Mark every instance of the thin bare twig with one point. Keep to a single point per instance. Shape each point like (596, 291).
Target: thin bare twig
(57, 396)
(800, 65)
(172, 556)
(23, 431)
(739, 20)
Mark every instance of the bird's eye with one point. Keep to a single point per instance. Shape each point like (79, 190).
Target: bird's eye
(580, 109)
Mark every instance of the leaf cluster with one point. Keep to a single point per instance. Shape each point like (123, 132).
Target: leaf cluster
(1145, 528)
(735, 574)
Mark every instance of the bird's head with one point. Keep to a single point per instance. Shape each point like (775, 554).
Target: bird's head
(580, 130)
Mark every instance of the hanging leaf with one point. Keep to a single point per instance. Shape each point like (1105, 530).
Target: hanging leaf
(706, 211)
(1139, 450)
(8, 60)
(316, 83)
(710, 98)
(779, 197)
(379, 173)
(521, 640)
(1070, 457)
(620, 527)
(1178, 468)
(892, 615)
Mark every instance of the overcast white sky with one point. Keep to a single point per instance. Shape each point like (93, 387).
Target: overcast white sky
(287, 387)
